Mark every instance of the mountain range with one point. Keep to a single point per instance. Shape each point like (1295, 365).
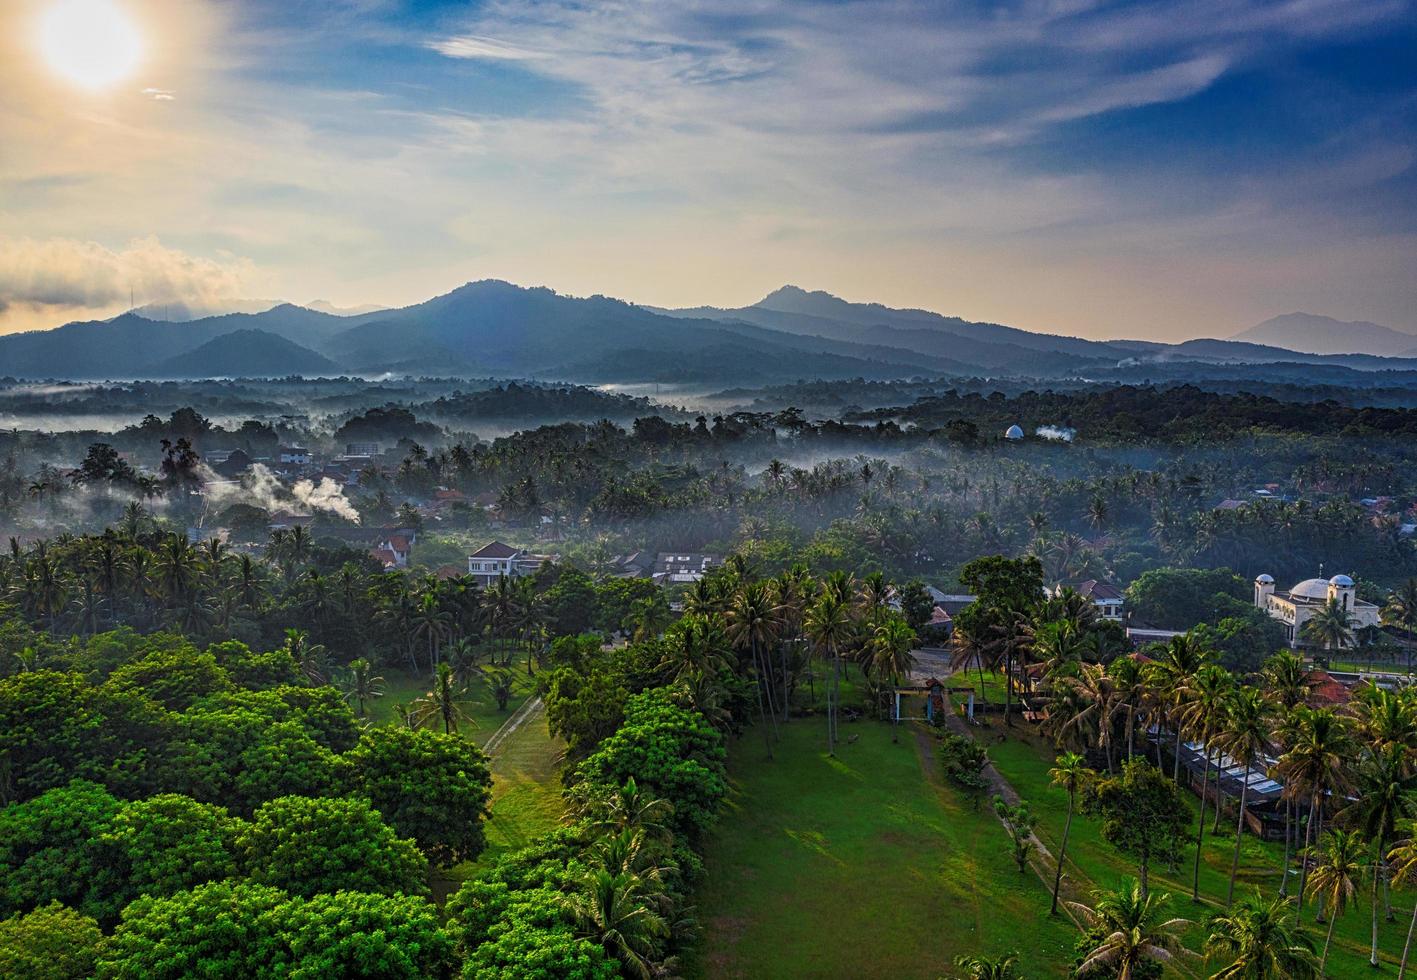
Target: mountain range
(498, 329)
(1324, 335)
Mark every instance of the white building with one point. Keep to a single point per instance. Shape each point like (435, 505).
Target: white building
(498, 560)
(293, 456)
(1297, 606)
(1106, 598)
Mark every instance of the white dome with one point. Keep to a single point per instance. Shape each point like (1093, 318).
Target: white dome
(1014, 432)
(1311, 588)
(1341, 582)
(1265, 579)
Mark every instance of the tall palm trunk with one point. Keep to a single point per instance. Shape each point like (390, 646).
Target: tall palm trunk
(1328, 940)
(1377, 874)
(1288, 839)
(1308, 842)
(1407, 946)
(1200, 830)
(1063, 853)
(1176, 764)
(1239, 835)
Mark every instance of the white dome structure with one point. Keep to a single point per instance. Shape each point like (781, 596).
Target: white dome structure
(1341, 582)
(1013, 432)
(1265, 579)
(1311, 588)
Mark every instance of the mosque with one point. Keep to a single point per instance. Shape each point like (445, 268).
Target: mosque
(1297, 606)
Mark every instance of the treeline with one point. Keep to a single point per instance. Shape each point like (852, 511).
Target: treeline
(173, 811)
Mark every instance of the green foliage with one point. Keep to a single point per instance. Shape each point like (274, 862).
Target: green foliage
(50, 943)
(1179, 598)
(50, 851)
(427, 785)
(254, 671)
(243, 930)
(241, 758)
(308, 845)
(171, 842)
(1143, 813)
(175, 679)
(673, 753)
(962, 760)
(1019, 822)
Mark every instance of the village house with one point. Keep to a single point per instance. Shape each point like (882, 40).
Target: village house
(498, 560)
(1106, 598)
(683, 567)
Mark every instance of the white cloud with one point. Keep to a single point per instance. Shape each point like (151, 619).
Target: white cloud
(160, 94)
(472, 46)
(68, 277)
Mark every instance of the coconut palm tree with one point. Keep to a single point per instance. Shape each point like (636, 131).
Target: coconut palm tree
(752, 627)
(1244, 736)
(362, 685)
(1260, 941)
(1336, 874)
(1173, 670)
(830, 627)
(1071, 773)
(1129, 929)
(891, 659)
(1201, 715)
(988, 968)
(1403, 858)
(1401, 611)
(615, 910)
(445, 701)
(1383, 796)
(1315, 763)
(1329, 627)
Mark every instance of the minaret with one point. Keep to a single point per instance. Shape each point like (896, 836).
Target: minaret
(1264, 588)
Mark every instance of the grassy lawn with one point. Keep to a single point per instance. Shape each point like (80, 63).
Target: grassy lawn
(403, 687)
(861, 866)
(1024, 760)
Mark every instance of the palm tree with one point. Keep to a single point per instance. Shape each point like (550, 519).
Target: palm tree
(1260, 941)
(361, 685)
(1244, 736)
(444, 701)
(1316, 763)
(1070, 772)
(1401, 611)
(891, 644)
(431, 622)
(1329, 627)
(1129, 930)
(1403, 858)
(1178, 663)
(1383, 794)
(830, 626)
(1336, 875)
(1202, 715)
(752, 626)
(615, 911)
(988, 968)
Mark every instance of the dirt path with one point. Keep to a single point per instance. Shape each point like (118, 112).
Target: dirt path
(531, 709)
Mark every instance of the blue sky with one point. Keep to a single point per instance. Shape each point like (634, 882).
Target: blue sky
(1146, 169)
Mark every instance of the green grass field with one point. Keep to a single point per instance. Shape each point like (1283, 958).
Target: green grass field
(1024, 760)
(861, 866)
(403, 687)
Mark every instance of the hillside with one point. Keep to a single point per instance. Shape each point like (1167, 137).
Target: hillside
(245, 354)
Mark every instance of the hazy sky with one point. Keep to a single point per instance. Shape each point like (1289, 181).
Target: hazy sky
(1097, 167)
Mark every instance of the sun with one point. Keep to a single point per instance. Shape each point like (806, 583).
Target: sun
(93, 43)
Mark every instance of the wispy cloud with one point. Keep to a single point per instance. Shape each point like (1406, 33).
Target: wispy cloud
(472, 46)
(160, 94)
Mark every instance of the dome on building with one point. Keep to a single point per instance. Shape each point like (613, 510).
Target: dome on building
(1341, 582)
(1013, 432)
(1311, 588)
(1264, 579)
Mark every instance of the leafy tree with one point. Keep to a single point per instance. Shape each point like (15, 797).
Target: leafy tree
(367, 937)
(50, 943)
(175, 679)
(1259, 940)
(1019, 824)
(311, 845)
(672, 753)
(171, 842)
(1143, 814)
(427, 785)
(49, 851)
(1179, 598)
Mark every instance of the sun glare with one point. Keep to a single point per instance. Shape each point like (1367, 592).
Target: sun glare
(92, 43)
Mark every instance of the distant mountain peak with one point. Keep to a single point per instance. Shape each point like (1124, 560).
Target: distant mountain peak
(1313, 333)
